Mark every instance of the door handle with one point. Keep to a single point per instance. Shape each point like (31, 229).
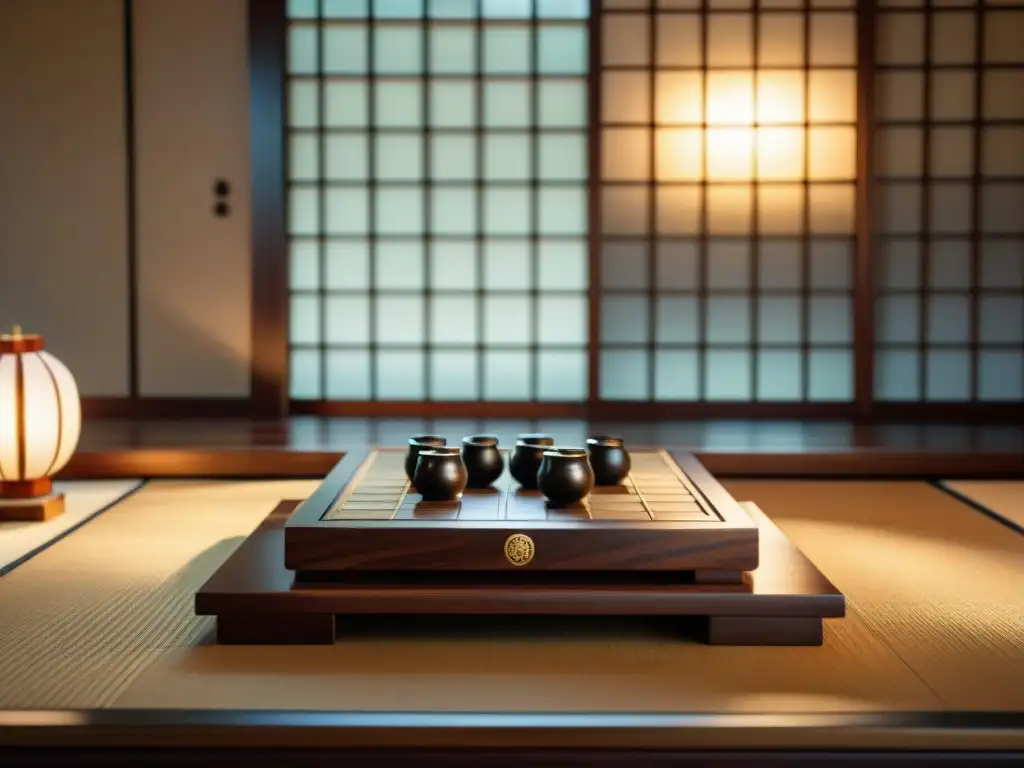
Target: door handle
(221, 193)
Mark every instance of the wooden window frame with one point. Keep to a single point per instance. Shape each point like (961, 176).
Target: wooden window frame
(270, 310)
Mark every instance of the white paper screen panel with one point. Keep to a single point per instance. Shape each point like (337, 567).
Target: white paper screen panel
(438, 200)
(949, 170)
(728, 170)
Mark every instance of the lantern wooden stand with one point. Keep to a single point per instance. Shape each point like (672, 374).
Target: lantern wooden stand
(34, 501)
(40, 423)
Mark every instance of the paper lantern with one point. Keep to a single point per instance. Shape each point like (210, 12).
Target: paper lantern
(40, 423)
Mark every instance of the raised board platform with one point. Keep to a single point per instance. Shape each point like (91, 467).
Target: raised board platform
(669, 515)
(257, 601)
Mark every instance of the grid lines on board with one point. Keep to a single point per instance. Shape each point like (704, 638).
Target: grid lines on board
(437, 165)
(655, 490)
(949, 178)
(728, 173)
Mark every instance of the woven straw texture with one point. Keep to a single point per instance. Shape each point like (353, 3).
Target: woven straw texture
(82, 500)
(81, 619)
(1004, 498)
(939, 582)
(104, 618)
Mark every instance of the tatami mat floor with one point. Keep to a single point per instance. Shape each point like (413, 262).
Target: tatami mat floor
(82, 618)
(1003, 498)
(82, 499)
(939, 582)
(104, 618)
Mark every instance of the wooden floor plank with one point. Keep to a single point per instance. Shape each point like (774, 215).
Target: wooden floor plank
(308, 446)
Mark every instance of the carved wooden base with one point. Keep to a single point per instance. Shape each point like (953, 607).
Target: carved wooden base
(755, 630)
(282, 629)
(718, 577)
(320, 629)
(257, 601)
(35, 509)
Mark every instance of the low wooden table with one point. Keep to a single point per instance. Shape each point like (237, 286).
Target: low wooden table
(670, 542)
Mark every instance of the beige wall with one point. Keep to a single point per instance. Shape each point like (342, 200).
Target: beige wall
(63, 202)
(192, 123)
(64, 194)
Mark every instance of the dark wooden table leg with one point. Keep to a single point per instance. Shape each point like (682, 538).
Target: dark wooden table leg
(275, 629)
(756, 630)
(718, 577)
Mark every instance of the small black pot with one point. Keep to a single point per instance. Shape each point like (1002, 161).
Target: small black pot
(565, 476)
(440, 475)
(535, 438)
(609, 459)
(524, 463)
(417, 444)
(484, 462)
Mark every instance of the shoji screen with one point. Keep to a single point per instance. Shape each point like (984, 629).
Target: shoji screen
(950, 217)
(438, 199)
(727, 200)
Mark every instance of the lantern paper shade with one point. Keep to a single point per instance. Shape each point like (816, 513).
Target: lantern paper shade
(40, 422)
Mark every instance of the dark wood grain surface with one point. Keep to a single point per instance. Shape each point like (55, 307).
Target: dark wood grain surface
(309, 446)
(254, 583)
(161, 736)
(472, 758)
(660, 519)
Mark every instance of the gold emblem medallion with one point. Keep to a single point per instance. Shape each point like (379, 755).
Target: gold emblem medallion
(519, 549)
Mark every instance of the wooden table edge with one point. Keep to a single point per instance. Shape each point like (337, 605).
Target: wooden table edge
(126, 728)
(298, 462)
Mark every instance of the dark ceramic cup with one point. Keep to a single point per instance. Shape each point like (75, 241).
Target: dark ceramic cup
(609, 459)
(417, 444)
(484, 462)
(440, 475)
(565, 476)
(524, 463)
